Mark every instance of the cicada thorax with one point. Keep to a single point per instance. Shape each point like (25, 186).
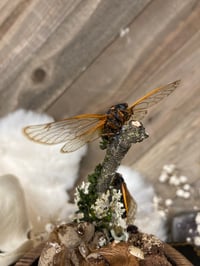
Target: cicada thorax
(117, 115)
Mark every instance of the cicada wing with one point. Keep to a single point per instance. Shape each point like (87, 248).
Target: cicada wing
(138, 114)
(90, 135)
(75, 131)
(140, 108)
(77, 143)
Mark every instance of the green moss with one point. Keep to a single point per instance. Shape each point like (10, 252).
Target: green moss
(88, 199)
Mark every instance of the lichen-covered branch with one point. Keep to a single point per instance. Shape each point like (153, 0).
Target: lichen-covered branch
(101, 199)
(131, 133)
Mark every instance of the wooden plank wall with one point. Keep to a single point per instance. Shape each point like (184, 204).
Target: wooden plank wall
(46, 45)
(68, 57)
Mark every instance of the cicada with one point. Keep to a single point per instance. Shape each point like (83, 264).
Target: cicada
(81, 129)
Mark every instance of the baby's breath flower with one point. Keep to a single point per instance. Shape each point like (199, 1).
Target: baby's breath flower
(102, 205)
(84, 187)
(108, 204)
(117, 206)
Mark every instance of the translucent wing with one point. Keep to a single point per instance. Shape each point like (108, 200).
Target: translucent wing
(75, 131)
(140, 108)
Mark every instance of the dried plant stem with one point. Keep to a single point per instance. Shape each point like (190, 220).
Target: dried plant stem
(132, 132)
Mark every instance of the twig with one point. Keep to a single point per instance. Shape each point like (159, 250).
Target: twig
(132, 132)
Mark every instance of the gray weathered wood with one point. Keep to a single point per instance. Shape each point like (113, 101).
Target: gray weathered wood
(46, 45)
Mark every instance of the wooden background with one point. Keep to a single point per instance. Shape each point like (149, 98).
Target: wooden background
(67, 57)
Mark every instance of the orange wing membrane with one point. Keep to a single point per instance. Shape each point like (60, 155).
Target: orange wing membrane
(75, 131)
(140, 107)
(78, 130)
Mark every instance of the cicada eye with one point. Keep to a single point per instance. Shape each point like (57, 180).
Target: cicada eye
(122, 106)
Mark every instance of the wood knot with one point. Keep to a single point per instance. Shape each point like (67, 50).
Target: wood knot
(38, 75)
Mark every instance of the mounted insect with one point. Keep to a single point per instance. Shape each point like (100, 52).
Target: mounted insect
(78, 130)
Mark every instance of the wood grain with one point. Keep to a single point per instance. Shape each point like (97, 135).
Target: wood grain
(70, 57)
(121, 73)
(47, 45)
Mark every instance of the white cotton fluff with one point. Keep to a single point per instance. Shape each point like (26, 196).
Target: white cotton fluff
(44, 172)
